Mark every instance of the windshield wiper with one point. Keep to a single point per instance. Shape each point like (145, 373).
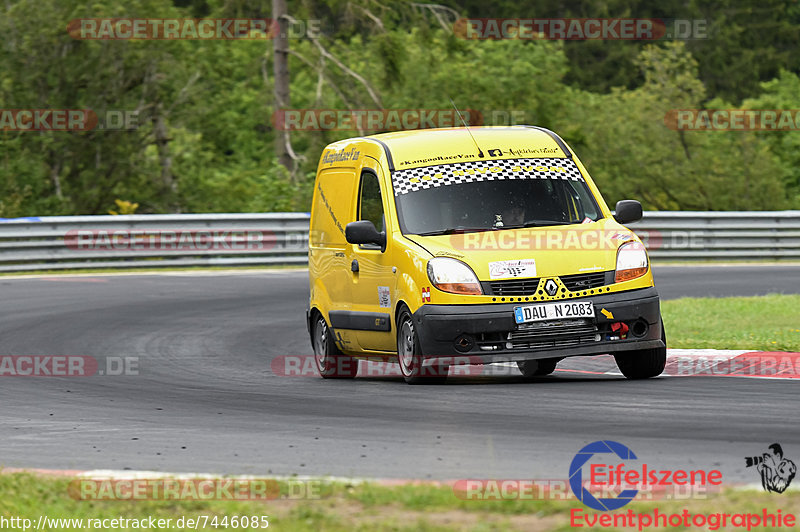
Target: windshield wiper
(537, 223)
(459, 229)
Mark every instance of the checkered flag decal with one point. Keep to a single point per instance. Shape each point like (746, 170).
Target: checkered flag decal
(413, 179)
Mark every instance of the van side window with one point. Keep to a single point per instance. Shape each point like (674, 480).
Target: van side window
(370, 206)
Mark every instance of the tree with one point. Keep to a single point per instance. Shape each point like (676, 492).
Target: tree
(624, 141)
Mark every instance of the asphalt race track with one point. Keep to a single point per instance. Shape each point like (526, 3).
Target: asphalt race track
(206, 399)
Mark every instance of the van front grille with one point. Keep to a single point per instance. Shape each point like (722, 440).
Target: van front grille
(512, 287)
(583, 281)
(527, 287)
(562, 333)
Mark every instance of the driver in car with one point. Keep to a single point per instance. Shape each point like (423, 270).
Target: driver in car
(512, 214)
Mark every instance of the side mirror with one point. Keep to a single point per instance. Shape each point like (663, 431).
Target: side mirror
(628, 211)
(364, 232)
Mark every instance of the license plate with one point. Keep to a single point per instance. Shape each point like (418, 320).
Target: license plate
(554, 311)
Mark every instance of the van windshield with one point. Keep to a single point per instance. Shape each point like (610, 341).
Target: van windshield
(492, 195)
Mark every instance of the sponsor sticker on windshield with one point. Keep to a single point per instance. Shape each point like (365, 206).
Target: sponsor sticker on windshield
(510, 269)
(413, 179)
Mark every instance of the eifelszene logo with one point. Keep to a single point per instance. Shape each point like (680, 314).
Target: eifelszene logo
(576, 475)
(613, 477)
(776, 471)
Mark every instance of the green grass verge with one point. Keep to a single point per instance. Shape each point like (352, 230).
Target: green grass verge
(764, 323)
(363, 507)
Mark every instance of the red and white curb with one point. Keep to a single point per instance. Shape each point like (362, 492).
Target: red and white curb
(742, 363)
(732, 363)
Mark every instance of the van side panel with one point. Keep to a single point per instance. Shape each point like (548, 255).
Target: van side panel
(333, 207)
(329, 271)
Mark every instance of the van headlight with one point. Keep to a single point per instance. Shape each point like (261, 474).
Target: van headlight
(451, 275)
(631, 262)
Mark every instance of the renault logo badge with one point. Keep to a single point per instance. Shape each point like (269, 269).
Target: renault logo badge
(550, 287)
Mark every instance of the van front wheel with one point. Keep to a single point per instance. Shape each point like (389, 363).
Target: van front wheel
(331, 363)
(644, 363)
(537, 368)
(409, 355)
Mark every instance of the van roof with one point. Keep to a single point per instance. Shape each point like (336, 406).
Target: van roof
(425, 147)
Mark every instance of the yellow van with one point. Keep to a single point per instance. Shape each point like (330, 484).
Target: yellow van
(477, 245)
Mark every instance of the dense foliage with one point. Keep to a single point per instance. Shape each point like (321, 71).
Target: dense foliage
(205, 137)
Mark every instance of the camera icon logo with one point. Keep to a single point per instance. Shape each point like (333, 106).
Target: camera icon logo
(776, 471)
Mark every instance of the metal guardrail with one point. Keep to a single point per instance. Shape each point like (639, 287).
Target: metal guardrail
(136, 241)
(743, 235)
(142, 241)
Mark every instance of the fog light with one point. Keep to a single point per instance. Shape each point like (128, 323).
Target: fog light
(464, 343)
(639, 328)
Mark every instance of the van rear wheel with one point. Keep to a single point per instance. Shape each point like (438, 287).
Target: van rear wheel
(409, 355)
(331, 363)
(644, 363)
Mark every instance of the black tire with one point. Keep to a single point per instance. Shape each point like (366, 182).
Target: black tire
(409, 355)
(645, 363)
(331, 363)
(537, 368)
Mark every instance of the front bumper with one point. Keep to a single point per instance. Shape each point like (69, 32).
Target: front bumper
(489, 333)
